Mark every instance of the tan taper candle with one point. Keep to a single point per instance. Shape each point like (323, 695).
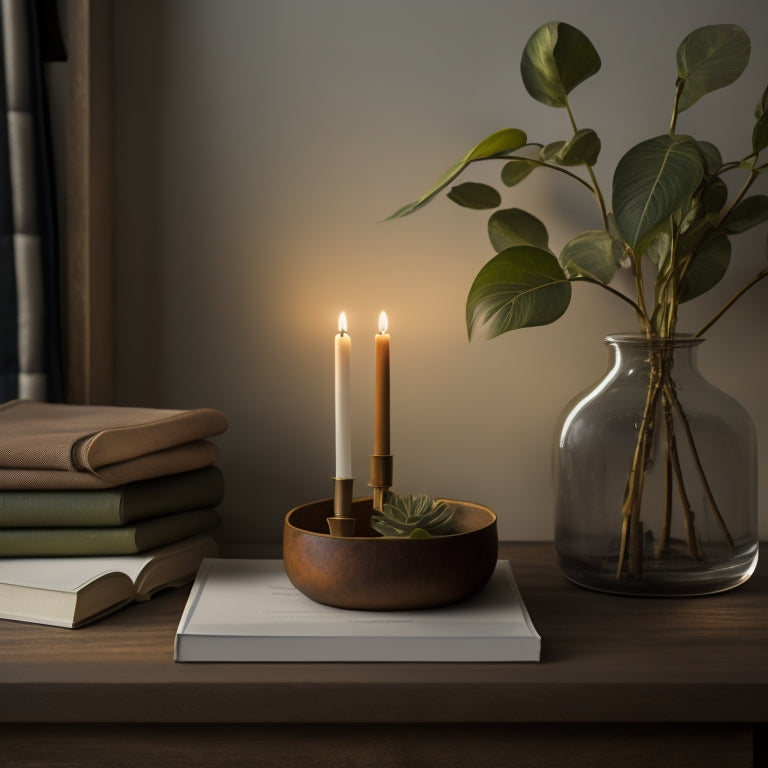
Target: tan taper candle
(381, 398)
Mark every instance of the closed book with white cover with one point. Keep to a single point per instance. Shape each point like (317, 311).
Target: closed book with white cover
(243, 610)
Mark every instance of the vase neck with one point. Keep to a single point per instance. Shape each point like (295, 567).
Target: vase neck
(635, 354)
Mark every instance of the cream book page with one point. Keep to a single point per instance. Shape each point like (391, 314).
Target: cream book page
(67, 574)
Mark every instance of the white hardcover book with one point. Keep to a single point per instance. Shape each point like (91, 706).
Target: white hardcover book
(248, 611)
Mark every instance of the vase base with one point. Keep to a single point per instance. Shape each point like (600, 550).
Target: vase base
(666, 578)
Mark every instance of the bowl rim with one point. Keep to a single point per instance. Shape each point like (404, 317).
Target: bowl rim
(493, 518)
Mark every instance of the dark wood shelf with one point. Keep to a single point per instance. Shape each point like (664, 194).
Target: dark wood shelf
(687, 675)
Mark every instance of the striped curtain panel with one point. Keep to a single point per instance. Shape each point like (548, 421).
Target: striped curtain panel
(30, 344)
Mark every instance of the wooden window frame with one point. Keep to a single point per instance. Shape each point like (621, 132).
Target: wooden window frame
(88, 222)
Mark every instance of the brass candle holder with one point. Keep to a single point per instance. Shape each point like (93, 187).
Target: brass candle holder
(342, 523)
(381, 478)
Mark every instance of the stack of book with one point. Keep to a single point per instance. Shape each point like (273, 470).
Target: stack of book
(124, 520)
(109, 487)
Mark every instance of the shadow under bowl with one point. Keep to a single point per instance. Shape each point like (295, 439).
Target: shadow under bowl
(375, 573)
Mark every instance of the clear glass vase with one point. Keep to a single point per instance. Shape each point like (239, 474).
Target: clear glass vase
(655, 477)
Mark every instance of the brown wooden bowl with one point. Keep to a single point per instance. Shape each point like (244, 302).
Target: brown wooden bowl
(375, 573)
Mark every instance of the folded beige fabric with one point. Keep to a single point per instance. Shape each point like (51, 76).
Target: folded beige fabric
(55, 445)
(183, 458)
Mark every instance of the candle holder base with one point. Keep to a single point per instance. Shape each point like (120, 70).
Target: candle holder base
(381, 477)
(341, 526)
(382, 573)
(342, 523)
(381, 470)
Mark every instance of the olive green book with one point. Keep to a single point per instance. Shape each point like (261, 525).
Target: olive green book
(124, 540)
(129, 503)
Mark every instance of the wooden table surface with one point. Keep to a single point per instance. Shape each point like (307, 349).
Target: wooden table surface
(694, 663)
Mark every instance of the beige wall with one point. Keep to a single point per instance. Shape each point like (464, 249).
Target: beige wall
(258, 146)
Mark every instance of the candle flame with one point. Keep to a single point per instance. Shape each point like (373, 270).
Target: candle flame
(343, 323)
(383, 323)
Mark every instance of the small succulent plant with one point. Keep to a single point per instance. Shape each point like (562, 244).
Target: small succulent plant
(413, 516)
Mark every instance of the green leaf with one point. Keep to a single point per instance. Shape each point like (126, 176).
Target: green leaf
(714, 195)
(593, 254)
(762, 104)
(613, 229)
(708, 267)
(474, 195)
(713, 160)
(556, 58)
(750, 212)
(522, 286)
(516, 170)
(710, 58)
(549, 152)
(498, 143)
(514, 226)
(653, 179)
(655, 246)
(697, 231)
(760, 134)
(584, 147)
(442, 182)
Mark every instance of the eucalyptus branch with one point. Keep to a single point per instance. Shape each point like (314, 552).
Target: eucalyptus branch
(666, 523)
(713, 230)
(599, 196)
(673, 466)
(679, 85)
(619, 294)
(671, 393)
(668, 283)
(660, 186)
(541, 164)
(570, 116)
(633, 495)
(750, 180)
(728, 304)
(731, 166)
(595, 186)
(637, 271)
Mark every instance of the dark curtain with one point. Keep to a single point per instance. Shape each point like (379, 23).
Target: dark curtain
(9, 352)
(30, 335)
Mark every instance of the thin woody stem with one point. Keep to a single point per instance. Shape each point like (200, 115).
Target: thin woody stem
(595, 185)
(637, 273)
(671, 448)
(671, 393)
(754, 281)
(618, 294)
(541, 163)
(679, 85)
(674, 463)
(748, 182)
(635, 480)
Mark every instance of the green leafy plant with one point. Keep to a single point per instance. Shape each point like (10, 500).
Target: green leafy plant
(671, 221)
(413, 516)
